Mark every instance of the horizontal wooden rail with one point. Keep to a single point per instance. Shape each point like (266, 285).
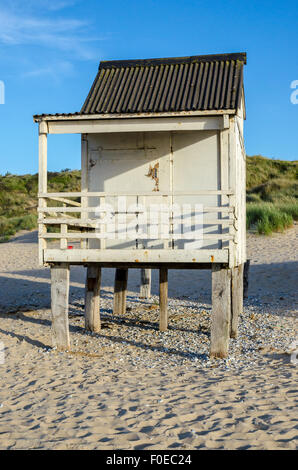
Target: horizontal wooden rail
(95, 223)
(102, 235)
(102, 210)
(65, 201)
(137, 256)
(211, 192)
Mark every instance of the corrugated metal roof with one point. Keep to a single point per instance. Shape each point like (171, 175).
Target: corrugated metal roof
(197, 83)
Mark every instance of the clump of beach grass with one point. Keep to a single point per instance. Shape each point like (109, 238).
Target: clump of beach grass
(267, 218)
(12, 225)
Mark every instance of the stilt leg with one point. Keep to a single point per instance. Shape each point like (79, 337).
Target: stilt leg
(163, 299)
(120, 288)
(245, 278)
(145, 288)
(92, 299)
(221, 311)
(237, 298)
(59, 300)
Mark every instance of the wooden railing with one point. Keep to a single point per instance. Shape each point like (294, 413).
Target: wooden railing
(74, 223)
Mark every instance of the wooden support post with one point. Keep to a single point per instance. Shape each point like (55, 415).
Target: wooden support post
(221, 311)
(245, 278)
(59, 300)
(236, 299)
(42, 186)
(92, 299)
(120, 288)
(163, 299)
(145, 288)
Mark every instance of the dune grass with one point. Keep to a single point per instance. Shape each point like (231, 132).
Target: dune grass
(18, 199)
(10, 226)
(267, 218)
(272, 192)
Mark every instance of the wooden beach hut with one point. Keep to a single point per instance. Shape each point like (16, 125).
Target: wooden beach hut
(162, 186)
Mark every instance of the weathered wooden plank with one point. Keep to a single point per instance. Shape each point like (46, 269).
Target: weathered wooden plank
(85, 117)
(137, 256)
(92, 298)
(237, 298)
(42, 186)
(59, 306)
(84, 182)
(64, 236)
(204, 192)
(145, 287)
(224, 174)
(163, 299)
(234, 184)
(121, 276)
(136, 125)
(66, 201)
(93, 223)
(107, 235)
(221, 311)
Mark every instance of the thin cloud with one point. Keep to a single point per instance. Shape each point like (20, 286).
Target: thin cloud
(54, 71)
(60, 34)
(42, 5)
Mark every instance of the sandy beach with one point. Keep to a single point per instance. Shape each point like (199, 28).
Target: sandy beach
(132, 387)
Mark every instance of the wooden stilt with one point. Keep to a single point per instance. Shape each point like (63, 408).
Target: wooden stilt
(236, 299)
(145, 287)
(221, 311)
(92, 299)
(163, 299)
(59, 300)
(120, 288)
(245, 278)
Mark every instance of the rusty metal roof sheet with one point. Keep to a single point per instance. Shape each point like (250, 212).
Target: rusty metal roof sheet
(196, 83)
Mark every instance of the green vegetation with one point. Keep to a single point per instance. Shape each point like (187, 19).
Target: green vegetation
(18, 201)
(272, 191)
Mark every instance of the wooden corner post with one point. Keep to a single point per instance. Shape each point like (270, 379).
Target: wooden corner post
(92, 299)
(120, 288)
(237, 298)
(59, 304)
(42, 185)
(221, 311)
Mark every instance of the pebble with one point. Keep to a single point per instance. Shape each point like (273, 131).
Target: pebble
(137, 342)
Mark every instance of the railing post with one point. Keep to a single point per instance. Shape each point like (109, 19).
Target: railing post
(84, 182)
(42, 186)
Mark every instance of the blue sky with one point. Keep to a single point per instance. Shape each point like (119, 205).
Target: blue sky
(50, 50)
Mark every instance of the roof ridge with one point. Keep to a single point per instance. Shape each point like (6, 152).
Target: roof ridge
(174, 60)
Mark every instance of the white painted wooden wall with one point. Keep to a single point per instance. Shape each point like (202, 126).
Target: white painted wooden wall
(187, 161)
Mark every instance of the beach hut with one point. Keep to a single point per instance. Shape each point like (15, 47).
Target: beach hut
(162, 185)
